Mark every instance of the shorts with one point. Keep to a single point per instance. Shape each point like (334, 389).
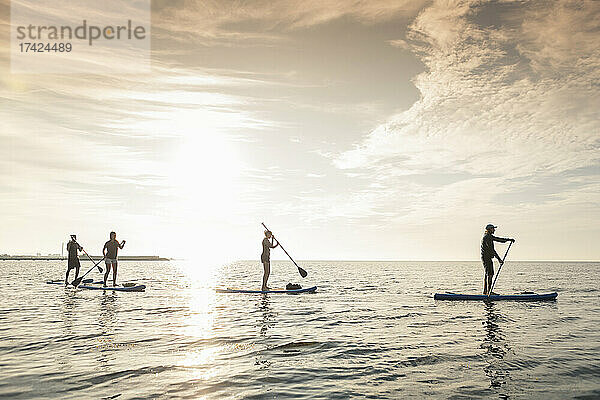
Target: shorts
(488, 265)
(110, 261)
(264, 258)
(73, 263)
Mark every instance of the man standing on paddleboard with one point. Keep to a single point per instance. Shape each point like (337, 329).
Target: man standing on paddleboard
(488, 253)
(73, 260)
(110, 251)
(265, 257)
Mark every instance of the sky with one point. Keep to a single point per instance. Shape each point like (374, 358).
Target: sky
(356, 130)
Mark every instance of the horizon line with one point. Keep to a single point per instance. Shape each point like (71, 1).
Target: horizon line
(420, 260)
(168, 258)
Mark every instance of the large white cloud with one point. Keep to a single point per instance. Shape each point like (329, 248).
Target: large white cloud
(517, 99)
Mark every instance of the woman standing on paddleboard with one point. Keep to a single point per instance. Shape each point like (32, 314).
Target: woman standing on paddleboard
(110, 251)
(265, 257)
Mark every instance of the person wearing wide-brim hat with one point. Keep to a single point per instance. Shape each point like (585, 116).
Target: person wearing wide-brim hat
(488, 253)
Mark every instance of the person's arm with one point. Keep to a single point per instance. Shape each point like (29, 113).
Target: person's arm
(104, 250)
(273, 246)
(501, 240)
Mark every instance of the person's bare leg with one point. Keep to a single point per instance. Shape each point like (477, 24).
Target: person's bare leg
(67, 276)
(115, 274)
(485, 285)
(267, 272)
(106, 273)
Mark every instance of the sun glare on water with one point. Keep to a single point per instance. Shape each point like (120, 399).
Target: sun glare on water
(198, 325)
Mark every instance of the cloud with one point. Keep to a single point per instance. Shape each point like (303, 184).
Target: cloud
(507, 102)
(263, 21)
(400, 43)
(557, 39)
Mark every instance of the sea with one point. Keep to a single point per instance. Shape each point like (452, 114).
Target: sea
(372, 330)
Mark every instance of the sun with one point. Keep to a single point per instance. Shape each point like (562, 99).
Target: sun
(203, 177)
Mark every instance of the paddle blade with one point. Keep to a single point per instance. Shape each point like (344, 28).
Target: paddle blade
(99, 269)
(303, 273)
(77, 281)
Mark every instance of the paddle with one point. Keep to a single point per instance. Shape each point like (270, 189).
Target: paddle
(499, 269)
(302, 272)
(77, 281)
(92, 260)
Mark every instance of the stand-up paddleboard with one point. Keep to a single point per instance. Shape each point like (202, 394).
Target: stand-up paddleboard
(89, 282)
(497, 297)
(62, 282)
(293, 291)
(136, 288)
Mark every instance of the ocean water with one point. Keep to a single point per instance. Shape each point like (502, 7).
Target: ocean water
(372, 330)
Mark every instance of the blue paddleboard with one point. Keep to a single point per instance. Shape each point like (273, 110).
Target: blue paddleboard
(515, 297)
(62, 282)
(136, 288)
(293, 291)
(86, 284)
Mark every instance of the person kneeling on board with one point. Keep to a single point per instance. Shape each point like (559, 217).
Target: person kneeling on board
(265, 257)
(73, 260)
(487, 255)
(110, 251)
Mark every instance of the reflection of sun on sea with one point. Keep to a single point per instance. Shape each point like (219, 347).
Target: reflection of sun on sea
(199, 324)
(202, 358)
(201, 305)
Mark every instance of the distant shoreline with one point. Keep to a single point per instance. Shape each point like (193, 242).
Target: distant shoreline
(5, 257)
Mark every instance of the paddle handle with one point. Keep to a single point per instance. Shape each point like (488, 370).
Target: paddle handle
(88, 256)
(303, 273)
(499, 269)
(91, 259)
